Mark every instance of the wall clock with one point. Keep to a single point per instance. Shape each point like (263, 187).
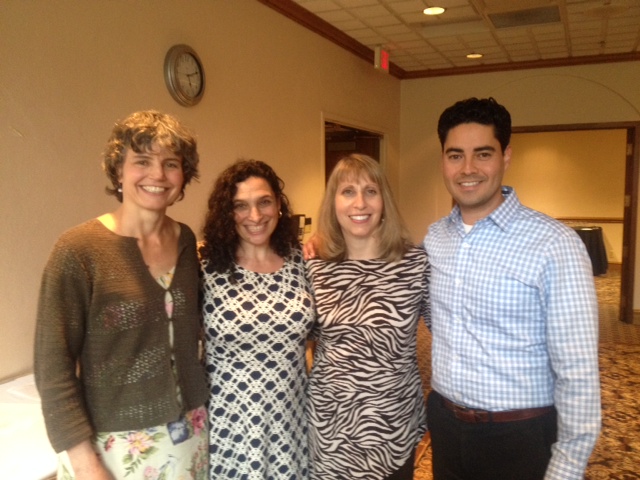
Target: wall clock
(184, 75)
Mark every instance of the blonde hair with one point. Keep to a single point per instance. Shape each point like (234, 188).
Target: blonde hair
(391, 233)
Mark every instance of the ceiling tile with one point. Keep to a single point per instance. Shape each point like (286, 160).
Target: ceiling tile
(420, 42)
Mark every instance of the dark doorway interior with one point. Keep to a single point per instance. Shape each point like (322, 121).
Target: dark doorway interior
(341, 140)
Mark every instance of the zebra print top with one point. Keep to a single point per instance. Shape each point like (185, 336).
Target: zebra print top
(365, 402)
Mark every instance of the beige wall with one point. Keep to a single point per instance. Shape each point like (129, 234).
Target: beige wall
(555, 96)
(575, 174)
(71, 67)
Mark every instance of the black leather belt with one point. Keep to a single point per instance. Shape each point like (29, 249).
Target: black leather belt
(474, 415)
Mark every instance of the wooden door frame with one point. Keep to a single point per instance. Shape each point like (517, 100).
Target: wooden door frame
(630, 220)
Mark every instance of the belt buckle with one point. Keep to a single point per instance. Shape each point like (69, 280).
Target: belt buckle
(470, 415)
(463, 413)
(481, 416)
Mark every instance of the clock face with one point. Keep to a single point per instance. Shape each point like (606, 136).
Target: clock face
(184, 75)
(189, 75)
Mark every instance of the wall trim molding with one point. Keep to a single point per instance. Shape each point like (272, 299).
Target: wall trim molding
(590, 219)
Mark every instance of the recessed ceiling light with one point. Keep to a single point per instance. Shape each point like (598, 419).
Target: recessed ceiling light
(433, 11)
(474, 55)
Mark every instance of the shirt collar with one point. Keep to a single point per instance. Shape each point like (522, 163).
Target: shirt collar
(501, 216)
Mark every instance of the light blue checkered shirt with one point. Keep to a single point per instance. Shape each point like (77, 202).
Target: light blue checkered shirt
(515, 322)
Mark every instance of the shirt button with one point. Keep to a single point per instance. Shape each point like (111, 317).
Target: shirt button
(458, 282)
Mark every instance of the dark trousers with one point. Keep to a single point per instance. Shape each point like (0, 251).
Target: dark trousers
(406, 471)
(518, 450)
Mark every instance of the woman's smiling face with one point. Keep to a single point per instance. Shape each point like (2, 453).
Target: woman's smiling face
(256, 211)
(152, 179)
(359, 207)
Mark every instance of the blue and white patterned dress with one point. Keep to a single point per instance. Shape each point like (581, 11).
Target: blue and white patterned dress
(255, 338)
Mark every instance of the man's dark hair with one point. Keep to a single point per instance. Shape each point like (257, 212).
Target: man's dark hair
(485, 111)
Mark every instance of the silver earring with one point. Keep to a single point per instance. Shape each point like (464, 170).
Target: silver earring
(120, 189)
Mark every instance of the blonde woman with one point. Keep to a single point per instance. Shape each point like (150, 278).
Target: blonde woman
(366, 406)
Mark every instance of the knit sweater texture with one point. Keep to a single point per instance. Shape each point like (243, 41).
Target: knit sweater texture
(102, 350)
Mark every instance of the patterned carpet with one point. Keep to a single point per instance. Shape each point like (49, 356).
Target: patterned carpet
(617, 452)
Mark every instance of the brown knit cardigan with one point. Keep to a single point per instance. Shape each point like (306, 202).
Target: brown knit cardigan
(102, 349)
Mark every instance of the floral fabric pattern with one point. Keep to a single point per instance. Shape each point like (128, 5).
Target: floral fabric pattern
(177, 451)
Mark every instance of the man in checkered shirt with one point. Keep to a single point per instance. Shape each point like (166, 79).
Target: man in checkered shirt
(516, 391)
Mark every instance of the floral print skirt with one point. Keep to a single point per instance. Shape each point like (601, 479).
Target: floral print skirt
(176, 451)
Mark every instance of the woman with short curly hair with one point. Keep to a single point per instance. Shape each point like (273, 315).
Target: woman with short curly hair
(118, 327)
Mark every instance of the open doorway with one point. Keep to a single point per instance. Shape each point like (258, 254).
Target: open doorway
(629, 198)
(342, 140)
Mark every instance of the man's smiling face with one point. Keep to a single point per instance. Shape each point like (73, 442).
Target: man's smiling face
(473, 166)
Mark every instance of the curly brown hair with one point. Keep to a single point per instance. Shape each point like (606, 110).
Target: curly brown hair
(221, 239)
(140, 132)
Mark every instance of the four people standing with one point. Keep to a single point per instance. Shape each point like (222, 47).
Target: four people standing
(366, 406)
(514, 322)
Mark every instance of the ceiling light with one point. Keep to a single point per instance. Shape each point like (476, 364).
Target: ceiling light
(474, 55)
(433, 11)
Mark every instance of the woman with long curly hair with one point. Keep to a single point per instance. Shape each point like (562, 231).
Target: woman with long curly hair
(258, 310)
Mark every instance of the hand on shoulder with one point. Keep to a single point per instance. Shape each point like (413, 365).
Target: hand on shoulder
(309, 248)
